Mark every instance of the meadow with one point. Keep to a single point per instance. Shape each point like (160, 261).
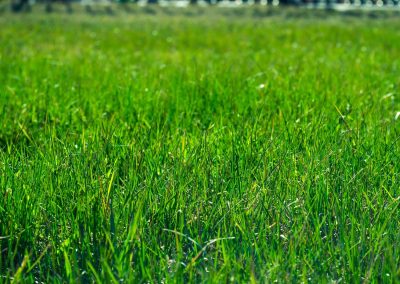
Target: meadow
(200, 145)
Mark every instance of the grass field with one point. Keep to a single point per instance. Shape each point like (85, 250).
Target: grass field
(193, 148)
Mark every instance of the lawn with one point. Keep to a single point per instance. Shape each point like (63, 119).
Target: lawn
(200, 145)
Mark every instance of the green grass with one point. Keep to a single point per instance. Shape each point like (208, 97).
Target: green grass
(178, 148)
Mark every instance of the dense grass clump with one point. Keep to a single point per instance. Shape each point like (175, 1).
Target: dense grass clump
(176, 148)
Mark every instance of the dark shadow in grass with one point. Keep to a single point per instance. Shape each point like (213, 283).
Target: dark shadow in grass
(149, 10)
(193, 12)
(260, 12)
(310, 14)
(109, 11)
(126, 7)
(2, 9)
(169, 11)
(106, 11)
(376, 15)
(15, 141)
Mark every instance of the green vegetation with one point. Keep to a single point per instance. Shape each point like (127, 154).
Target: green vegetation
(176, 148)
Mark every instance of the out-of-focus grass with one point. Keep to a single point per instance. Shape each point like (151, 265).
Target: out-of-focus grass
(220, 148)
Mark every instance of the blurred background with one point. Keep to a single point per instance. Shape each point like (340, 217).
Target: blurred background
(70, 6)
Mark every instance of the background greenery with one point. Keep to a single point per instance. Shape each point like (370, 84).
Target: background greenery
(199, 145)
